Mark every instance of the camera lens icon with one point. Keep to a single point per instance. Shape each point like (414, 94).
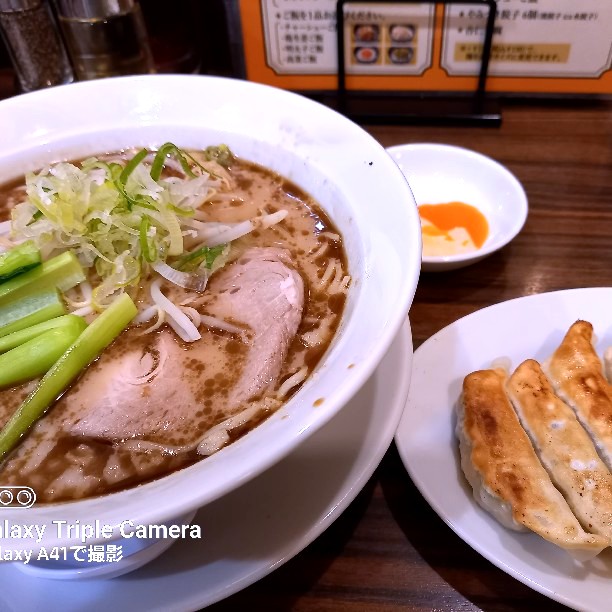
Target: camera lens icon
(17, 497)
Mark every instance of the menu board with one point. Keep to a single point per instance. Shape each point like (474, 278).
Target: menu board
(544, 46)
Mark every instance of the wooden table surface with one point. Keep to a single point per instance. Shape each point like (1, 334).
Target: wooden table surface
(389, 550)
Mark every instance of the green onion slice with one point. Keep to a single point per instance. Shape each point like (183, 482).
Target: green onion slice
(19, 259)
(89, 344)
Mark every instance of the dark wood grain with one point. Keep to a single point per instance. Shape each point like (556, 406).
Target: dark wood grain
(389, 551)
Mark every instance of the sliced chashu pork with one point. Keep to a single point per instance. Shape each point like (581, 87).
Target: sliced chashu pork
(156, 392)
(265, 294)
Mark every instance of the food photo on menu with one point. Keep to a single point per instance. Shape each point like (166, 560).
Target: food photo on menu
(304, 305)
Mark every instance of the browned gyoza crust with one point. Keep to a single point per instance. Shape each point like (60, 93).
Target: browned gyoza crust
(504, 457)
(564, 447)
(576, 373)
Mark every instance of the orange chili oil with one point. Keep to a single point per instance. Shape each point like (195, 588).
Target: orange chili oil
(455, 214)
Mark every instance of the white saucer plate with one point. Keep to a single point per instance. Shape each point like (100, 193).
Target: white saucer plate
(529, 327)
(256, 528)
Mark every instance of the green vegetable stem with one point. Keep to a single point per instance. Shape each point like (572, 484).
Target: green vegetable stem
(89, 344)
(62, 272)
(18, 259)
(70, 322)
(34, 357)
(30, 310)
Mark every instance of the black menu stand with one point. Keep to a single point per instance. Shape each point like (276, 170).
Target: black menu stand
(413, 107)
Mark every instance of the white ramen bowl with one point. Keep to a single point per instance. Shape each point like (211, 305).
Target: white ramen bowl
(328, 156)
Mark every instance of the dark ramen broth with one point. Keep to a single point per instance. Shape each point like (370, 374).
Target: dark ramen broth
(62, 465)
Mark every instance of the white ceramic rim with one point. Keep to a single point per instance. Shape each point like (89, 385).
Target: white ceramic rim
(522, 206)
(393, 241)
(198, 573)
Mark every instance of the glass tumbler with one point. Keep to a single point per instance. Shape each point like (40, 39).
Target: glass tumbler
(105, 37)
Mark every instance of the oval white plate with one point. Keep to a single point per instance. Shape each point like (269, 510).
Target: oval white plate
(259, 526)
(440, 173)
(518, 329)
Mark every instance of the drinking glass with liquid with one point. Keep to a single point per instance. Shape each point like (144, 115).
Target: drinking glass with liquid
(105, 37)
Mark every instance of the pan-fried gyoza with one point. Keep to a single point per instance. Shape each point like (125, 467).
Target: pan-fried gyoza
(535, 445)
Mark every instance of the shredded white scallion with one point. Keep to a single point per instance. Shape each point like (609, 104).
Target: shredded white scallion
(187, 280)
(177, 319)
(83, 311)
(86, 293)
(147, 314)
(216, 323)
(193, 314)
(233, 232)
(161, 319)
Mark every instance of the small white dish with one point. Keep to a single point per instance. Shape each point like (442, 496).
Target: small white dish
(439, 173)
(533, 327)
(253, 530)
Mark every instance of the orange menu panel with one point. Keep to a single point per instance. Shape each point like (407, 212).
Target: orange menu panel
(539, 46)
